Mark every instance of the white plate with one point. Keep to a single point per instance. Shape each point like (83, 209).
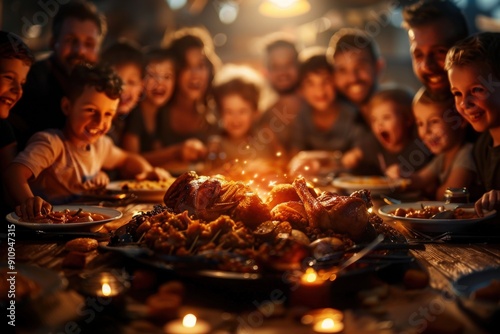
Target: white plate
(376, 184)
(434, 225)
(145, 195)
(465, 285)
(113, 214)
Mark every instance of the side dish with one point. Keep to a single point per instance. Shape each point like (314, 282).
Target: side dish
(66, 217)
(426, 212)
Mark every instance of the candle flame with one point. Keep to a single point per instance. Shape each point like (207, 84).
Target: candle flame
(310, 275)
(189, 320)
(327, 323)
(106, 289)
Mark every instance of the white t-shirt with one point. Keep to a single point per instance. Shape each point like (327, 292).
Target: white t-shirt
(60, 169)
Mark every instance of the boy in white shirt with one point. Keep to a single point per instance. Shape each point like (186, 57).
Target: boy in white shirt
(58, 165)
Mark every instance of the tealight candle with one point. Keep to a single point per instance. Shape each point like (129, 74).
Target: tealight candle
(187, 325)
(311, 291)
(328, 325)
(105, 288)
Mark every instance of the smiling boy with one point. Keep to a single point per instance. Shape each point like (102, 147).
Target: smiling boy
(58, 165)
(474, 74)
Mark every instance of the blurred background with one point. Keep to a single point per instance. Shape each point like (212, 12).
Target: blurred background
(239, 27)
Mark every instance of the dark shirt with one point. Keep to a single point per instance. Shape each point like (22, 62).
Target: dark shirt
(7, 136)
(411, 158)
(40, 106)
(487, 159)
(135, 125)
(117, 129)
(343, 135)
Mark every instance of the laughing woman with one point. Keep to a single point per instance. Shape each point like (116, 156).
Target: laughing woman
(189, 116)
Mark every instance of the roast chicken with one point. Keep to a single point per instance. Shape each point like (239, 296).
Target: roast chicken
(207, 198)
(342, 214)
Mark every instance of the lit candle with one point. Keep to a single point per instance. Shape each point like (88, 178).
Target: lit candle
(328, 325)
(187, 325)
(311, 291)
(106, 290)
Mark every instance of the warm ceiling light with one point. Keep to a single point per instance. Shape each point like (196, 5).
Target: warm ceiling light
(284, 8)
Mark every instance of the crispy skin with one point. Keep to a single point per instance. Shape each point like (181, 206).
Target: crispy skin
(251, 211)
(281, 193)
(292, 212)
(342, 214)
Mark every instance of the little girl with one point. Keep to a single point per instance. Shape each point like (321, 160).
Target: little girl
(238, 95)
(146, 124)
(442, 130)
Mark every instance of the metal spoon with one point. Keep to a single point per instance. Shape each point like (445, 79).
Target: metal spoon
(446, 214)
(335, 270)
(390, 200)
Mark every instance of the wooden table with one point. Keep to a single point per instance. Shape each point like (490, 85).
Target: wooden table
(398, 311)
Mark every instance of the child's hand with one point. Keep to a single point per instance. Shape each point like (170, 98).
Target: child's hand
(393, 171)
(156, 174)
(193, 149)
(300, 166)
(489, 201)
(351, 158)
(33, 207)
(101, 180)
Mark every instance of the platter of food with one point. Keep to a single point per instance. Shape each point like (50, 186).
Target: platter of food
(417, 215)
(32, 283)
(376, 184)
(145, 190)
(222, 230)
(68, 217)
(479, 292)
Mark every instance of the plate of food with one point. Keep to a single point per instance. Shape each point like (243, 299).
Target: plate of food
(146, 190)
(479, 292)
(68, 217)
(418, 215)
(376, 184)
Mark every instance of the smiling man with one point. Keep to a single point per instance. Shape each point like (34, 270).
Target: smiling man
(77, 32)
(357, 67)
(433, 27)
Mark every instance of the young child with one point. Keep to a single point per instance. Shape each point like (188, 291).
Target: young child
(396, 143)
(238, 94)
(15, 61)
(442, 130)
(59, 164)
(148, 122)
(327, 123)
(127, 60)
(474, 73)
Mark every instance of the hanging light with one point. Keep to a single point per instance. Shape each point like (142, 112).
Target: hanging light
(176, 4)
(228, 11)
(284, 8)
